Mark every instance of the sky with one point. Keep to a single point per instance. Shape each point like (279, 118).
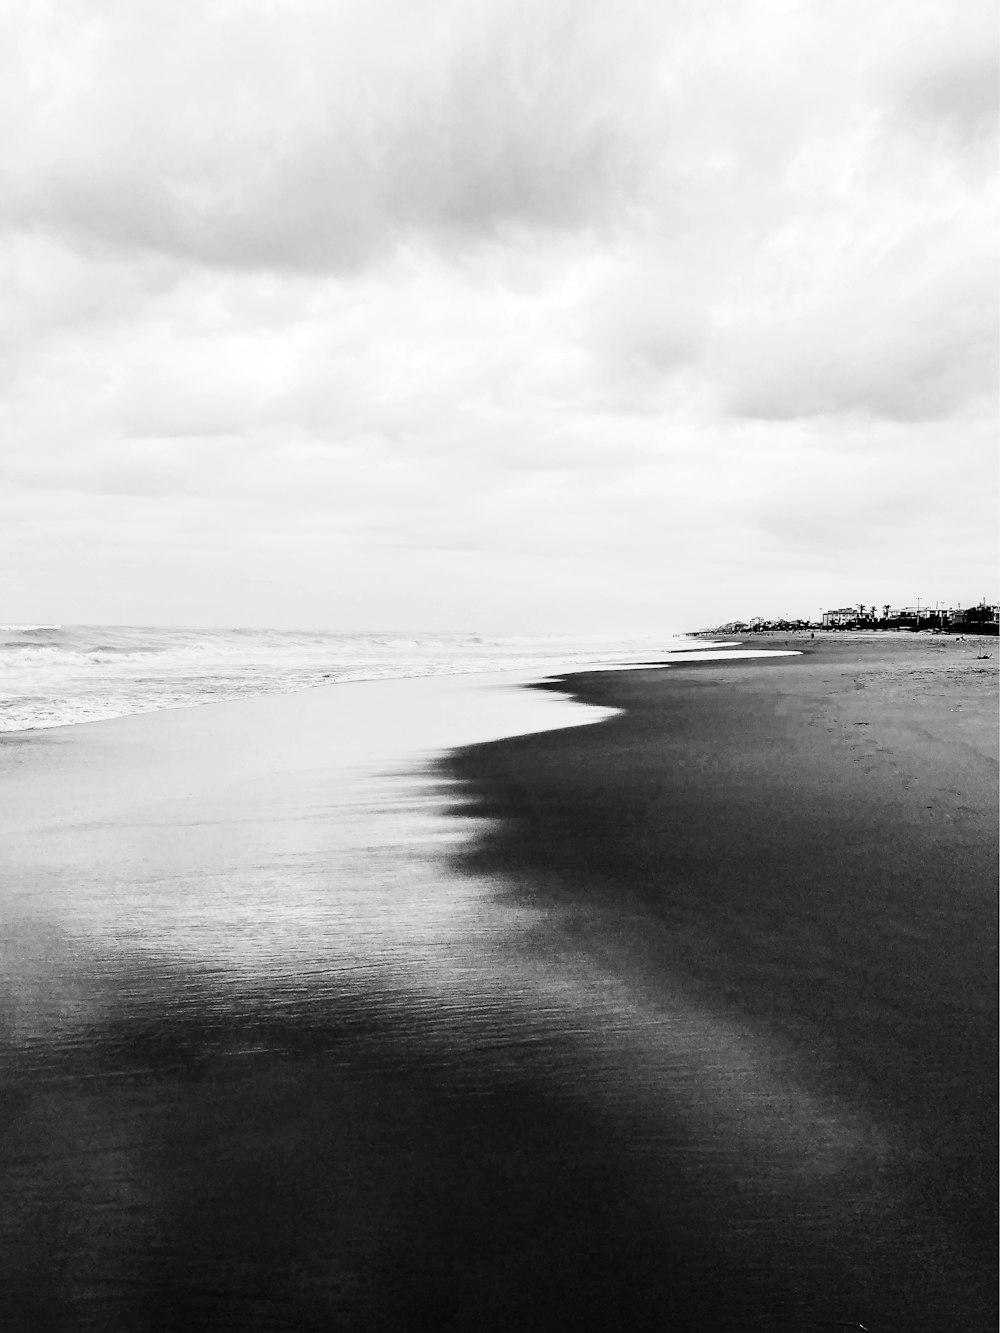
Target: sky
(522, 316)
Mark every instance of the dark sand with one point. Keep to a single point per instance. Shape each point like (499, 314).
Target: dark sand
(694, 1033)
(805, 849)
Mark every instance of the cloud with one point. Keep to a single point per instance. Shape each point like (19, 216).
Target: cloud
(316, 137)
(964, 93)
(948, 71)
(621, 289)
(894, 343)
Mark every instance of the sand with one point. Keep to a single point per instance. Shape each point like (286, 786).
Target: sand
(681, 1020)
(805, 849)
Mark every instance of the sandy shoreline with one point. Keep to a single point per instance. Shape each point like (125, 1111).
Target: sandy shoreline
(684, 1019)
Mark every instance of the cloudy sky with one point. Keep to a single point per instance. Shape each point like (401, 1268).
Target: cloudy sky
(495, 314)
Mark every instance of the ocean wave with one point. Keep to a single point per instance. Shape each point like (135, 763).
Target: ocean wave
(55, 675)
(26, 629)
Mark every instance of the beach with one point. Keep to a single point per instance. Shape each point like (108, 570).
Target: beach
(452, 1004)
(801, 852)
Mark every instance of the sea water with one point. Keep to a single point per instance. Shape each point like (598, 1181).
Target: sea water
(51, 675)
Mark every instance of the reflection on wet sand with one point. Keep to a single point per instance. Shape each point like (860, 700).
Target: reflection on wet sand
(276, 1057)
(326, 1154)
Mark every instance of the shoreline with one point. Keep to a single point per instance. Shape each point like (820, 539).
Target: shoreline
(513, 673)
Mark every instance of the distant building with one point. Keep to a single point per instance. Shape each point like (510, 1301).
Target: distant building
(981, 619)
(844, 615)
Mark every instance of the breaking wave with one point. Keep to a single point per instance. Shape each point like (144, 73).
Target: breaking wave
(52, 675)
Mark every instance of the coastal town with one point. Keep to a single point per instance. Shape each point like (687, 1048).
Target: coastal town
(983, 618)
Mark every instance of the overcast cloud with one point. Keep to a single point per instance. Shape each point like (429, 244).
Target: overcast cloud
(490, 314)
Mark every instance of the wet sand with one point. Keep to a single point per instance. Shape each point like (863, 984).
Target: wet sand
(803, 853)
(683, 1020)
(256, 1035)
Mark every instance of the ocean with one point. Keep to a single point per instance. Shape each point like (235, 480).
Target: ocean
(52, 675)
